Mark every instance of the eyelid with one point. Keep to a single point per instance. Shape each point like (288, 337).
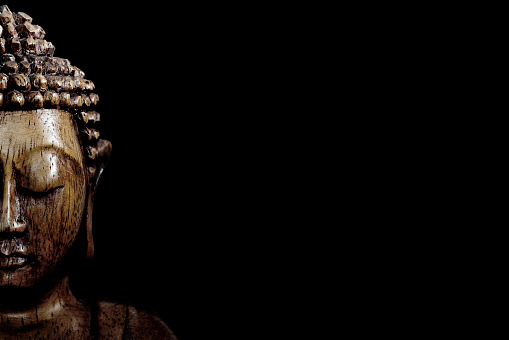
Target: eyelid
(41, 172)
(42, 184)
(37, 194)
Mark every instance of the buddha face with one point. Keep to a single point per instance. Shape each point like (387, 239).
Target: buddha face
(43, 190)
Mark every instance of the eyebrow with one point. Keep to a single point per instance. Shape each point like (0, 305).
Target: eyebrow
(54, 148)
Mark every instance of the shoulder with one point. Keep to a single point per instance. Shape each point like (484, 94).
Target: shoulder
(111, 320)
(145, 325)
(121, 321)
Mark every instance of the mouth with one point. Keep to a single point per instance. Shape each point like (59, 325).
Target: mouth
(13, 254)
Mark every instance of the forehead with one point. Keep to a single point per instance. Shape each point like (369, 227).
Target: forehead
(26, 131)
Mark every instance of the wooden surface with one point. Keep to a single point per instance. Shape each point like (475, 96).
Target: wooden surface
(47, 196)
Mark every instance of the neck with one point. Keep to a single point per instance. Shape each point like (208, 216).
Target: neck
(20, 312)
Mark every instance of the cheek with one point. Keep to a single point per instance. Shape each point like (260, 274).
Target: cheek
(54, 221)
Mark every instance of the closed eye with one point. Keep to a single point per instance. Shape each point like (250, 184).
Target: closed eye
(27, 192)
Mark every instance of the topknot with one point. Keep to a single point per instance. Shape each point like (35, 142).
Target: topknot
(30, 77)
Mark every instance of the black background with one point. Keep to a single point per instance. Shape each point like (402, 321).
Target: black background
(159, 217)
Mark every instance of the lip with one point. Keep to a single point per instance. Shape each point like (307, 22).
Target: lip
(13, 261)
(13, 246)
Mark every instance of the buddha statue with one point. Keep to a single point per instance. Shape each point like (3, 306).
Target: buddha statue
(51, 161)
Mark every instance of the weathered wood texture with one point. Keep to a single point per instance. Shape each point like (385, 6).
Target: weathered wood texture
(51, 160)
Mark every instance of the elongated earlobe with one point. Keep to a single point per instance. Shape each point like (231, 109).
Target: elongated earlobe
(88, 225)
(103, 148)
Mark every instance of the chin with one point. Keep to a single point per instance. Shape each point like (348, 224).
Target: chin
(28, 275)
(19, 277)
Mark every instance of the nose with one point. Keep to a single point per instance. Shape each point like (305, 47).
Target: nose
(8, 221)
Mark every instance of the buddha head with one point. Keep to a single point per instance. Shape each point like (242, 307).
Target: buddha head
(51, 157)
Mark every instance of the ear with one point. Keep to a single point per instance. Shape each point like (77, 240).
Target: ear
(104, 148)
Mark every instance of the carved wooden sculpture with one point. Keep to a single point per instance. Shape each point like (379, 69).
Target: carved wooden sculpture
(51, 160)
